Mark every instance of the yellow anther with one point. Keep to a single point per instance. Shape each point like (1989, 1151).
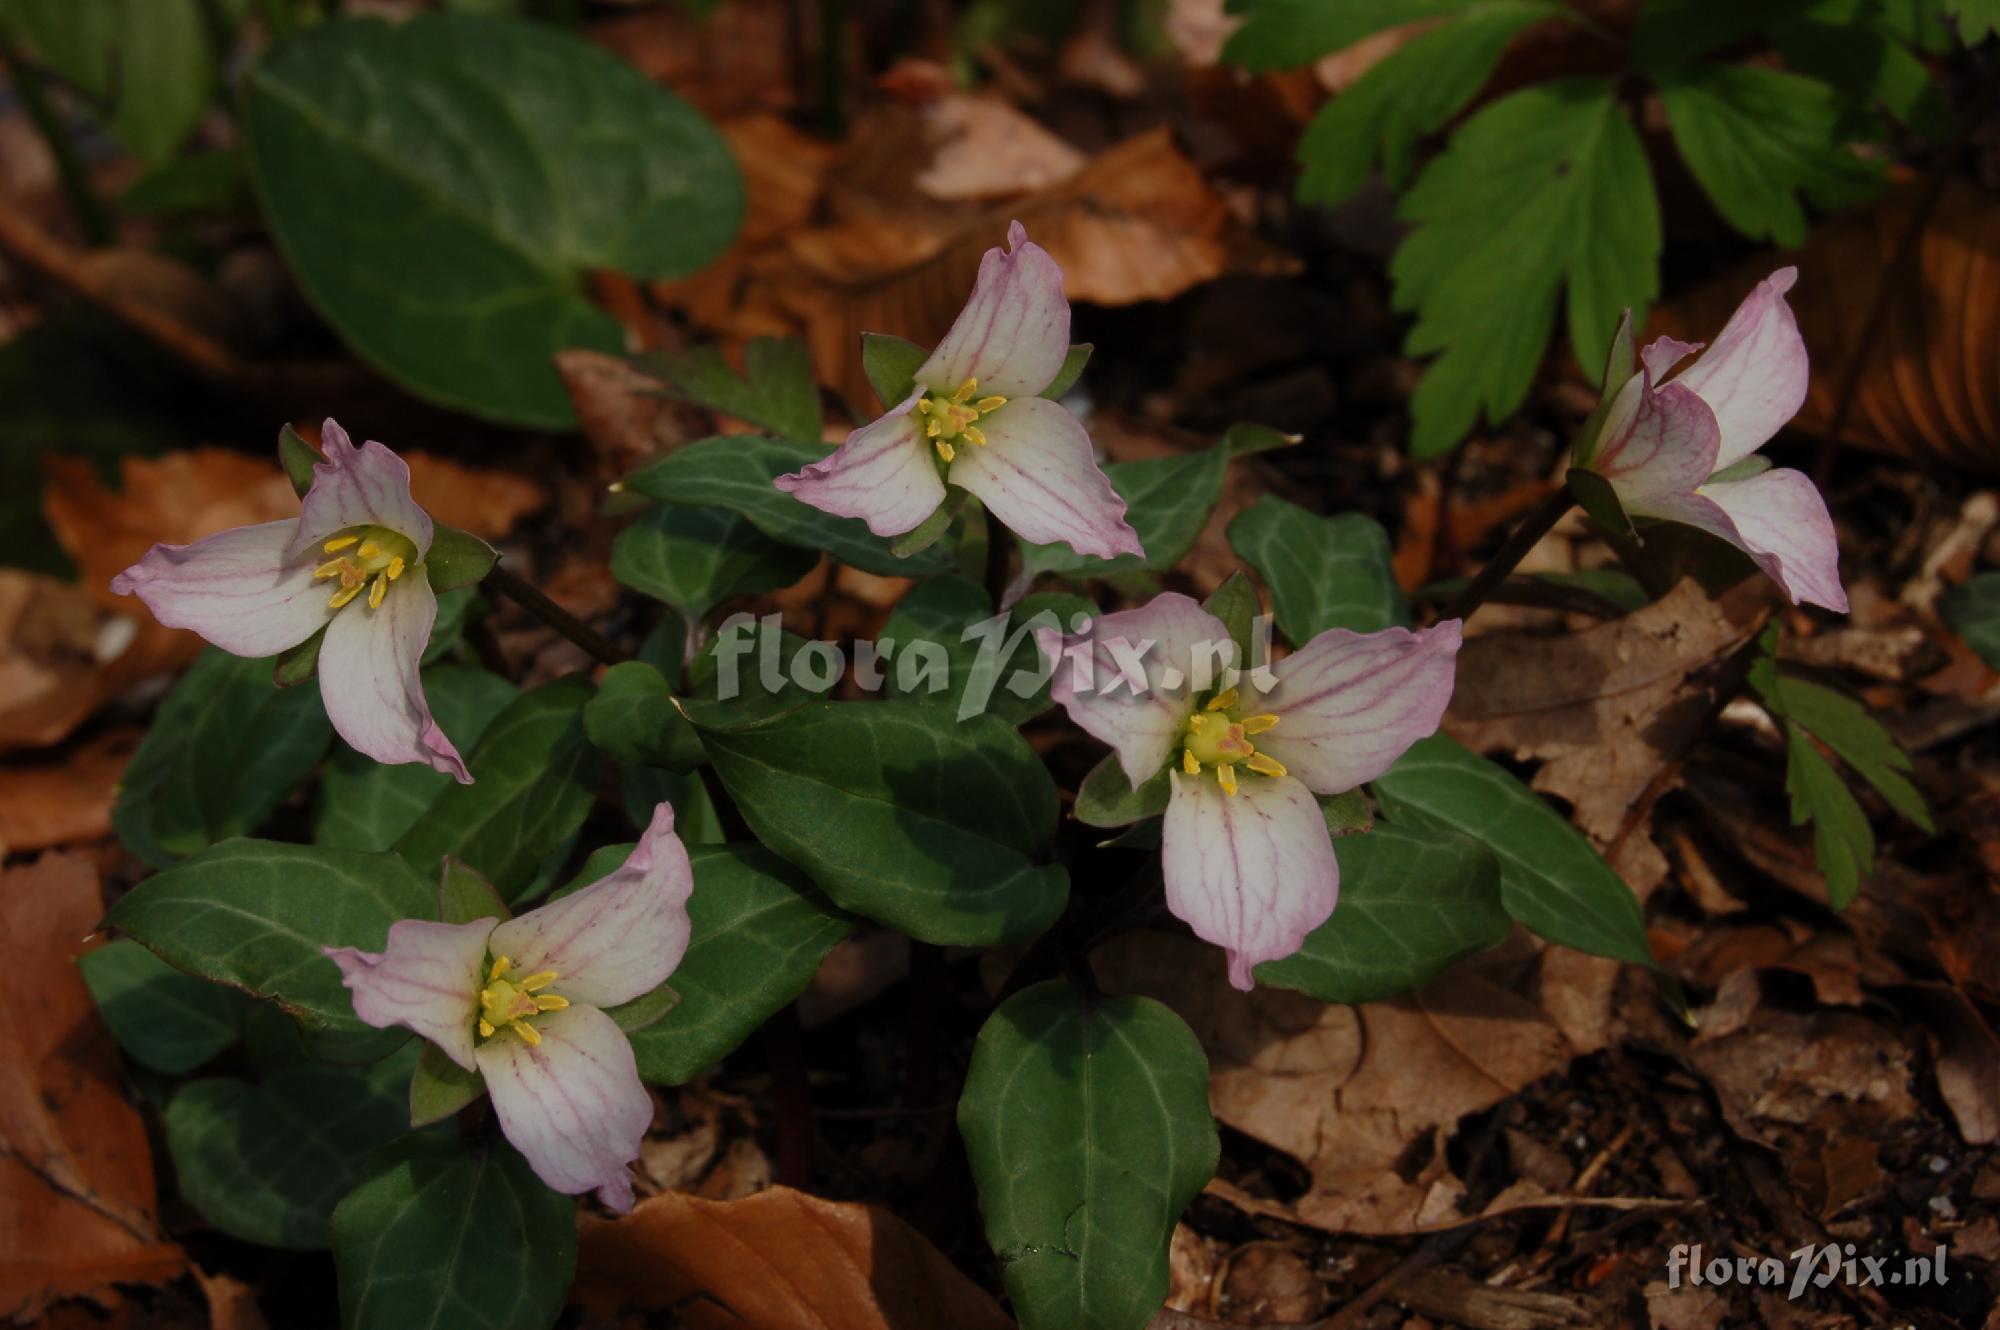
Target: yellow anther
(1225, 776)
(1195, 722)
(1223, 700)
(1188, 764)
(975, 434)
(500, 966)
(965, 391)
(1264, 764)
(537, 981)
(369, 551)
(529, 1034)
(376, 592)
(987, 405)
(925, 405)
(485, 1028)
(331, 568)
(932, 429)
(1259, 724)
(345, 594)
(339, 543)
(550, 1002)
(945, 450)
(396, 567)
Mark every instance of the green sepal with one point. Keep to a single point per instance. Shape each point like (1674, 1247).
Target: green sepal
(1071, 371)
(299, 664)
(891, 365)
(644, 1010)
(465, 894)
(1235, 603)
(1106, 798)
(1756, 464)
(1346, 814)
(1593, 494)
(457, 558)
(931, 530)
(440, 1087)
(299, 459)
(634, 717)
(1619, 366)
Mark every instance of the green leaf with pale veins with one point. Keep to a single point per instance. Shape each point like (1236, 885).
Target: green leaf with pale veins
(1542, 196)
(1412, 901)
(695, 558)
(1107, 798)
(634, 719)
(1323, 572)
(903, 813)
(776, 389)
(442, 188)
(948, 650)
(163, 1019)
(1086, 1123)
(1550, 877)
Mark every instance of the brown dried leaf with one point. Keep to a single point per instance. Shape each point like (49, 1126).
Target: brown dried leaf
(986, 148)
(66, 799)
(481, 500)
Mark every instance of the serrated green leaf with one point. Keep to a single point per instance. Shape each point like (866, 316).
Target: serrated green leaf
(903, 813)
(949, 651)
(1412, 901)
(1757, 138)
(1543, 190)
(163, 1019)
(776, 389)
(444, 1233)
(1550, 878)
(634, 719)
(1284, 34)
(695, 558)
(1845, 726)
(736, 473)
(1107, 798)
(443, 187)
(1843, 842)
(1867, 60)
(1323, 572)
(1086, 1123)
(534, 778)
(1973, 611)
(440, 1087)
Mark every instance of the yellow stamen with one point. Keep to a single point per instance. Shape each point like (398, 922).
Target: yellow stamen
(344, 595)
(500, 966)
(965, 391)
(1264, 764)
(925, 405)
(376, 592)
(369, 551)
(1188, 764)
(945, 450)
(529, 1034)
(932, 429)
(485, 1028)
(1223, 700)
(396, 567)
(550, 1002)
(1259, 724)
(1225, 776)
(339, 543)
(974, 433)
(331, 568)
(1195, 723)
(537, 981)
(987, 405)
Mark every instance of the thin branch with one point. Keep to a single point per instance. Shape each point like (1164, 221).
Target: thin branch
(530, 598)
(1526, 536)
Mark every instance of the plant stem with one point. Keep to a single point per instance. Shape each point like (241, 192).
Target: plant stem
(530, 598)
(1533, 527)
(832, 67)
(91, 216)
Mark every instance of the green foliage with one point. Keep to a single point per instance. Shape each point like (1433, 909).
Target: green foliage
(443, 1232)
(1323, 572)
(1976, 19)
(1412, 901)
(148, 63)
(1107, 798)
(1550, 878)
(948, 652)
(891, 364)
(442, 187)
(465, 894)
(696, 558)
(457, 559)
(1843, 841)
(440, 1087)
(161, 1018)
(1086, 1123)
(775, 390)
(634, 719)
(225, 749)
(1281, 34)
(903, 813)
(1973, 611)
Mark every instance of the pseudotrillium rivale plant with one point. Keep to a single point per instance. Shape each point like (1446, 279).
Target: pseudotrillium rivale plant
(1246, 853)
(1684, 449)
(975, 420)
(522, 1003)
(351, 563)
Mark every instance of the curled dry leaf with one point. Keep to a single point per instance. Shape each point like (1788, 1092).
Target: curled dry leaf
(779, 1260)
(481, 500)
(76, 1174)
(65, 799)
(986, 148)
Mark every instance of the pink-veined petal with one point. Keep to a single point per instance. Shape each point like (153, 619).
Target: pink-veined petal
(1754, 375)
(365, 486)
(236, 588)
(1013, 334)
(368, 678)
(1668, 446)
(1131, 685)
(1779, 519)
(883, 475)
(573, 1104)
(1660, 355)
(427, 979)
(1038, 475)
(1349, 704)
(617, 938)
(1252, 872)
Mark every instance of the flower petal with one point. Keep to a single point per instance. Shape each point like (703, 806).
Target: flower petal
(1779, 519)
(368, 678)
(365, 486)
(1348, 704)
(235, 588)
(1660, 355)
(1039, 476)
(619, 937)
(572, 1105)
(1013, 334)
(883, 475)
(1132, 687)
(1754, 376)
(1252, 872)
(1668, 447)
(427, 979)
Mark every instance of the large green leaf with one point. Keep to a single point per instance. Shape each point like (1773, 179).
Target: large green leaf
(365, 804)
(1544, 189)
(760, 932)
(1087, 1126)
(1284, 34)
(149, 61)
(1323, 572)
(1550, 878)
(534, 777)
(255, 914)
(442, 1233)
(696, 558)
(736, 473)
(225, 749)
(634, 719)
(1412, 901)
(443, 187)
(268, 1162)
(951, 650)
(903, 813)
(162, 1018)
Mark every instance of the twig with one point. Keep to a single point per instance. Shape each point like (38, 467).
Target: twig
(1526, 536)
(91, 216)
(530, 598)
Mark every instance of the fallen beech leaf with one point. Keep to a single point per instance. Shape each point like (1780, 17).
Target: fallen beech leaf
(778, 1260)
(739, 57)
(985, 148)
(76, 1174)
(65, 799)
(62, 654)
(621, 411)
(481, 500)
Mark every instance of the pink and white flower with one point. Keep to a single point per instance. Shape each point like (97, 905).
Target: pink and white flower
(522, 1003)
(1248, 860)
(1684, 449)
(976, 409)
(351, 562)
